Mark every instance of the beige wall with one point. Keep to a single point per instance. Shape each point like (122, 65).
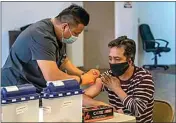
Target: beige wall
(98, 34)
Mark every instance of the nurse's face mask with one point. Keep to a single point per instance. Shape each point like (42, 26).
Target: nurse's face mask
(69, 40)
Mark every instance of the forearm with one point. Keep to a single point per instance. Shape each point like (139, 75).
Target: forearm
(71, 69)
(95, 89)
(135, 106)
(59, 75)
(51, 72)
(87, 101)
(122, 95)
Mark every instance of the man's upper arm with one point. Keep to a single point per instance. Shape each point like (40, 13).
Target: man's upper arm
(142, 96)
(145, 89)
(95, 89)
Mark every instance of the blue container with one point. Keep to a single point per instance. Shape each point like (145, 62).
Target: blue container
(19, 93)
(61, 88)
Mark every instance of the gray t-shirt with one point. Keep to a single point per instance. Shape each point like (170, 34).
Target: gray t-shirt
(37, 42)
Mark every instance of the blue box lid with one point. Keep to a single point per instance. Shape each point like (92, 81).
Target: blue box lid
(18, 93)
(61, 88)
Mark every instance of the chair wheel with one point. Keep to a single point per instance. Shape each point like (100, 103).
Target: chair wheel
(150, 68)
(166, 67)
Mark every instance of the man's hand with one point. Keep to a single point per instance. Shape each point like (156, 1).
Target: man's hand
(111, 82)
(114, 84)
(119, 111)
(90, 77)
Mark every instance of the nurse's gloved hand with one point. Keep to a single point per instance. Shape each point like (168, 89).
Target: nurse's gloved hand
(94, 72)
(90, 77)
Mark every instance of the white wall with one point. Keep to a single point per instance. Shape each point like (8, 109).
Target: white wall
(18, 14)
(161, 18)
(1, 33)
(75, 51)
(126, 23)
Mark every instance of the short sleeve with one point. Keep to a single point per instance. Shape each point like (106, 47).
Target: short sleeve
(42, 46)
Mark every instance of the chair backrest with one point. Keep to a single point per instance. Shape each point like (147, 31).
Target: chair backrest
(13, 34)
(146, 35)
(162, 112)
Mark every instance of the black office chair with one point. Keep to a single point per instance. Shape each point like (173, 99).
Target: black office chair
(13, 34)
(149, 45)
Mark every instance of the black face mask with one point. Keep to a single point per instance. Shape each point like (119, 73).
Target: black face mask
(119, 69)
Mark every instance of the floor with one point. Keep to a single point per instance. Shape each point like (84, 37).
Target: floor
(164, 86)
(165, 82)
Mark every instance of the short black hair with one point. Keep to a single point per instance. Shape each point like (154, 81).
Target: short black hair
(128, 45)
(74, 14)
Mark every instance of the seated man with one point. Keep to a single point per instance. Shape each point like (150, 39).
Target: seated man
(130, 88)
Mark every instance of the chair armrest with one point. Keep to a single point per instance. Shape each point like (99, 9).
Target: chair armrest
(158, 44)
(163, 41)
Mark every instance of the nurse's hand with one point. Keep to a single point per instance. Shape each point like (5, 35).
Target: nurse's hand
(90, 77)
(94, 72)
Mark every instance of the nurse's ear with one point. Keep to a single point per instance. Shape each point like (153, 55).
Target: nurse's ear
(64, 26)
(65, 30)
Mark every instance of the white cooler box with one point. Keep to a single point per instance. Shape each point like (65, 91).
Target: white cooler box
(19, 104)
(62, 102)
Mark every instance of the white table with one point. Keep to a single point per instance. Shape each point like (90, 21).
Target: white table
(117, 117)
(120, 118)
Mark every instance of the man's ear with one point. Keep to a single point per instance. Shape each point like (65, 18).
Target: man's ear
(130, 61)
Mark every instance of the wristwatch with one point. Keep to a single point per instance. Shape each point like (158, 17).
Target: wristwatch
(80, 82)
(81, 78)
